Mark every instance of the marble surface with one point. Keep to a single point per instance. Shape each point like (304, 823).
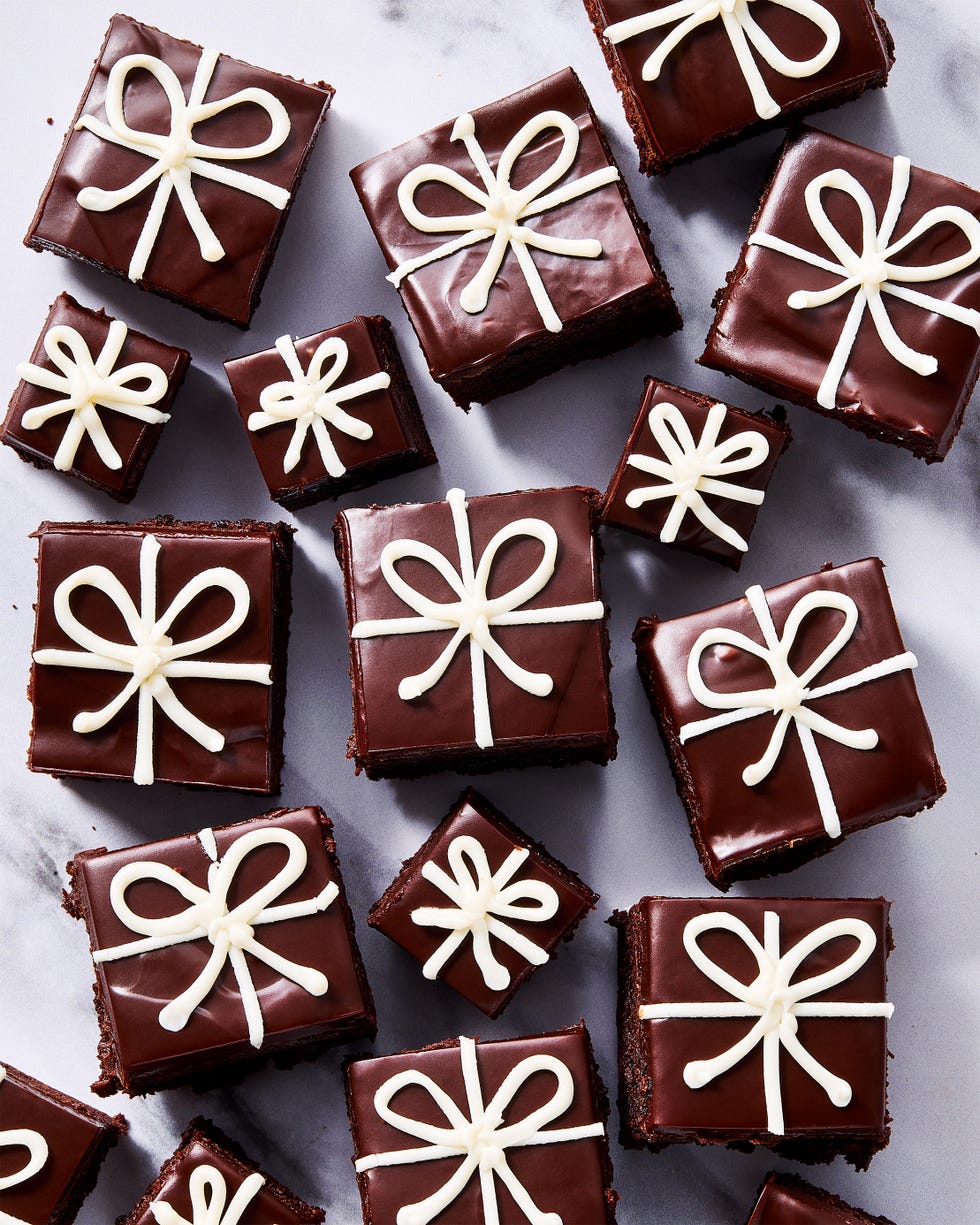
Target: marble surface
(400, 67)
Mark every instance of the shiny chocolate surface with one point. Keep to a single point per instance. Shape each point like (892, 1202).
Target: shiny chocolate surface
(791, 1201)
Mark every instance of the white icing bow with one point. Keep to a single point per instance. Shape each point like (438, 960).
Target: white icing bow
(482, 900)
(872, 271)
(88, 385)
(482, 1140)
(37, 1157)
(503, 208)
(692, 469)
(742, 29)
(209, 1199)
(230, 930)
(153, 659)
(177, 157)
(475, 613)
(774, 1000)
(312, 400)
(788, 697)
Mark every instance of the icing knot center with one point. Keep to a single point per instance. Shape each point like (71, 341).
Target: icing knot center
(237, 932)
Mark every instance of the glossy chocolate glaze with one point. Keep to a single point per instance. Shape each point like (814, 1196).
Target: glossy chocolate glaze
(757, 337)
(569, 1179)
(399, 443)
(787, 1200)
(736, 825)
(476, 817)
(701, 98)
(140, 1054)
(249, 715)
(437, 729)
(134, 440)
(649, 519)
(248, 228)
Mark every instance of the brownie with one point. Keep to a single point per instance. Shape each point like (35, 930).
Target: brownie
(330, 413)
(261, 961)
(497, 303)
(481, 905)
(786, 1199)
(695, 472)
(755, 1022)
(93, 399)
(695, 77)
(850, 746)
(829, 309)
(478, 633)
(210, 1169)
(55, 1145)
(196, 698)
(512, 1130)
(206, 233)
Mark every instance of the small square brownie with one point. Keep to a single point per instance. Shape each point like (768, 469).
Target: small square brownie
(820, 731)
(694, 77)
(470, 648)
(514, 1127)
(695, 472)
(828, 308)
(93, 399)
(786, 1199)
(194, 217)
(218, 950)
(330, 413)
(55, 1148)
(160, 652)
(755, 1022)
(514, 242)
(210, 1169)
(481, 905)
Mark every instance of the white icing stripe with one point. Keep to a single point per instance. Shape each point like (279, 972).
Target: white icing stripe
(742, 29)
(230, 930)
(177, 157)
(873, 272)
(311, 400)
(153, 658)
(790, 692)
(209, 1200)
(473, 615)
(502, 209)
(88, 385)
(482, 900)
(774, 1000)
(692, 469)
(37, 1157)
(482, 1139)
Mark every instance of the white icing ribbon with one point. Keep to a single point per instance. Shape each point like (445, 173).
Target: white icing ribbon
(209, 1200)
(474, 614)
(742, 29)
(230, 930)
(482, 901)
(503, 208)
(153, 659)
(37, 1157)
(482, 1139)
(87, 385)
(177, 157)
(312, 400)
(774, 1001)
(790, 693)
(691, 469)
(873, 271)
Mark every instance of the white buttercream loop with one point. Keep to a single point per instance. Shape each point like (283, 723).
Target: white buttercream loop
(482, 1139)
(475, 613)
(502, 210)
(37, 1158)
(177, 156)
(774, 1001)
(788, 697)
(209, 1199)
(153, 658)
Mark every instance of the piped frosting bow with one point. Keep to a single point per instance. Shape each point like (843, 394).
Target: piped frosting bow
(209, 1200)
(37, 1158)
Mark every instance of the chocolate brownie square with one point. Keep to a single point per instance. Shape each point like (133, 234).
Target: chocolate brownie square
(786, 1199)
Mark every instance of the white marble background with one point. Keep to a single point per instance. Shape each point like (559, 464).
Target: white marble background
(399, 68)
